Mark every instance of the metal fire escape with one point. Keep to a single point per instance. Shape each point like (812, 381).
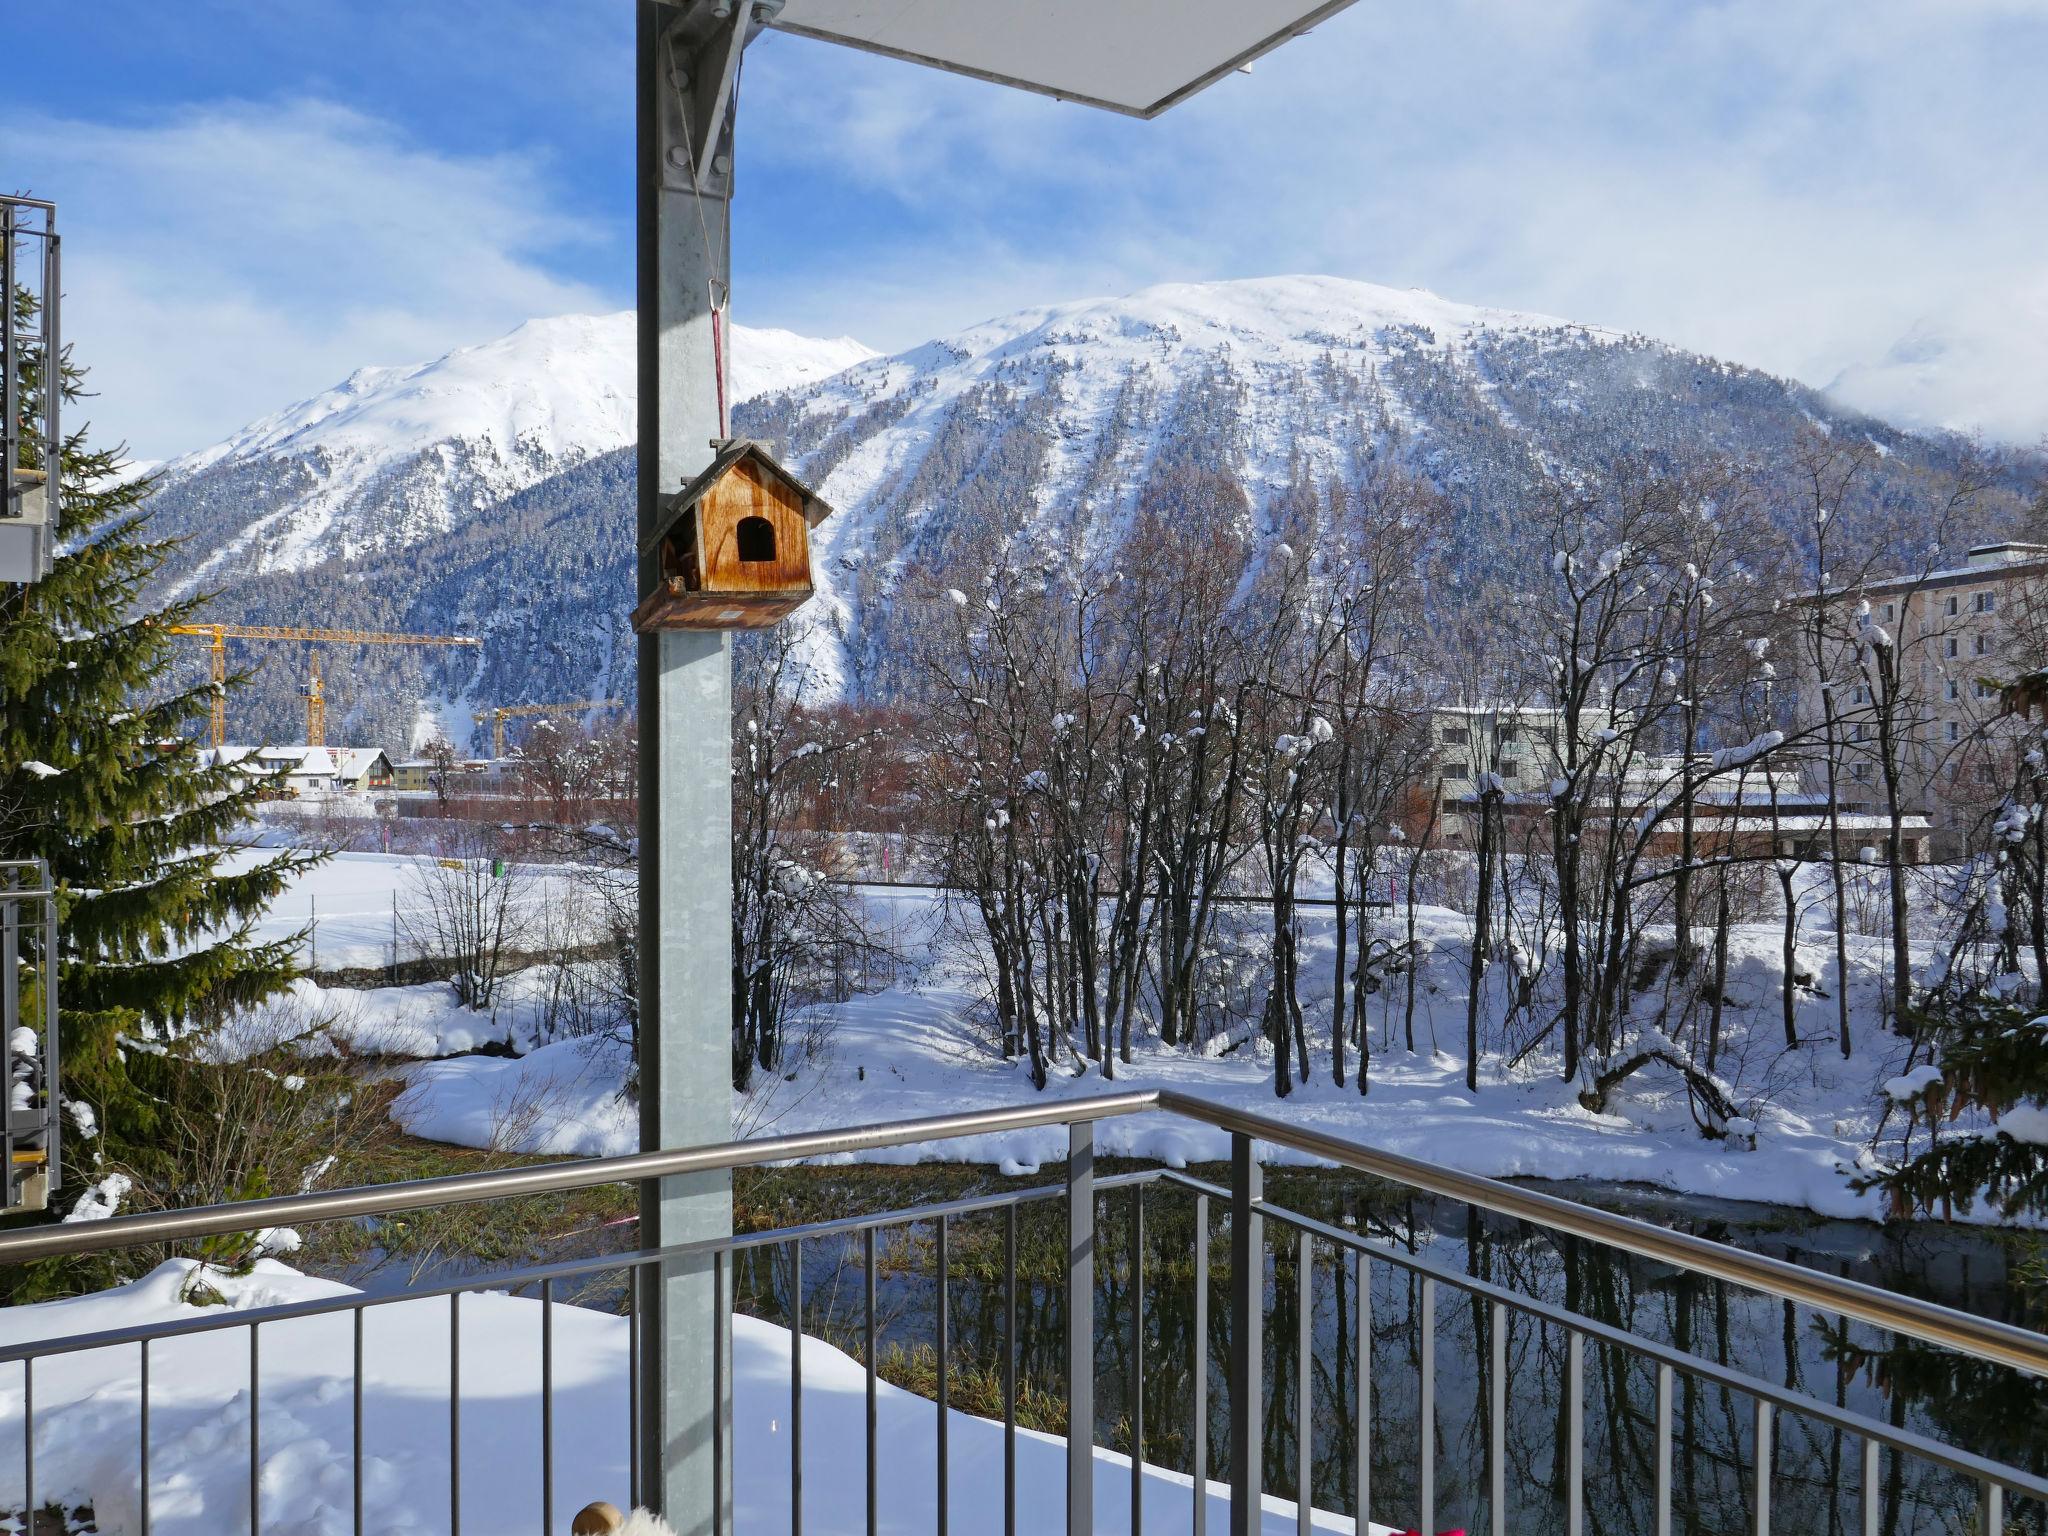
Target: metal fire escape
(30, 401)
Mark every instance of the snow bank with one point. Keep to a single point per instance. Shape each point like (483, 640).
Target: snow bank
(87, 1441)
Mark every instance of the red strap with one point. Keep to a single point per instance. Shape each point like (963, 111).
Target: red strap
(718, 366)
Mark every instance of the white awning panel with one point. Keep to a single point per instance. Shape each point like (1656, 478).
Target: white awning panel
(1133, 56)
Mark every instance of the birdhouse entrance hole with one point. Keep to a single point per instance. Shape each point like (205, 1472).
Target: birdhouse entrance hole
(756, 539)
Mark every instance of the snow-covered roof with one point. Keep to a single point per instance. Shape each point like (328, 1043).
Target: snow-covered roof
(313, 762)
(354, 762)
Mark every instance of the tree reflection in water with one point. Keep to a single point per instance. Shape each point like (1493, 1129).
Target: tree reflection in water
(1817, 1470)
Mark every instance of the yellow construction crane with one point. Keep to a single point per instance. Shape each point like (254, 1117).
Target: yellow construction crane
(505, 712)
(314, 691)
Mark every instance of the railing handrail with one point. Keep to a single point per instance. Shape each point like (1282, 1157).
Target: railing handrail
(1928, 1322)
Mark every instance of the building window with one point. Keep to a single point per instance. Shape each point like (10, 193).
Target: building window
(1510, 771)
(1860, 773)
(1984, 690)
(1955, 730)
(1510, 733)
(1980, 645)
(1456, 735)
(1953, 692)
(1987, 602)
(1891, 612)
(1457, 771)
(1954, 647)
(1948, 606)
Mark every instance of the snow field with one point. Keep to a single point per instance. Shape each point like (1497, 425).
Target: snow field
(922, 1049)
(87, 1425)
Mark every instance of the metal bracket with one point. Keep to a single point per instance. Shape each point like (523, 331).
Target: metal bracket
(702, 46)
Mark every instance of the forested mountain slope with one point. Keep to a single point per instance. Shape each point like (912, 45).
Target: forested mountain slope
(1043, 430)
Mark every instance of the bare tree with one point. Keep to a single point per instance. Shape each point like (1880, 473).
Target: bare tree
(463, 904)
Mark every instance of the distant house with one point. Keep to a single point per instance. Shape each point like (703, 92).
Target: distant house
(361, 768)
(290, 771)
(298, 770)
(413, 776)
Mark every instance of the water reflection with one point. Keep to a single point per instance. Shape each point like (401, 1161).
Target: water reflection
(1818, 1471)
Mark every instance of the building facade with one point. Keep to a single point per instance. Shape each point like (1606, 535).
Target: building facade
(1955, 637)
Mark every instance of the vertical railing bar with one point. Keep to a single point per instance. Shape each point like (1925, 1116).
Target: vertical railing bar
(28, 1444)
(1663, 1450)
(638, 1282)
(1497, 1431)
(1427, 1415)
(1575, 1434)
(1010, 1371)
(718, 1394)
(1994, 1509)
(1304, 1345)
(142, 1489)
(1247, 1336)
(1081, 1328)
(356, 1410)
(1198, 1460)
(943, 1341)
(1762, 1524)
(796, 1386)
(868, 1344)
(455, 1413)
(1870, 1491)
(255, 1431)
(1137, 1371)
(547, 1406)
(1363, 1311)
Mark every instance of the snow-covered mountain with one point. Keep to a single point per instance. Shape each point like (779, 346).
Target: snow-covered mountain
(391, 457)
(508, 508)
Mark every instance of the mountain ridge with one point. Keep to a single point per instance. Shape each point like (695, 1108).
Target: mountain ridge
(1046, 426)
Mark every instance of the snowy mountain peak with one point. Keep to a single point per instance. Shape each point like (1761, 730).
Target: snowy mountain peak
(392, 455)
(564, 385)
(1258, 310)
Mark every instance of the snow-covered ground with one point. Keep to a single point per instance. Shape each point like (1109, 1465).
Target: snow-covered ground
(355, 905)
(923, 1047)
(87, 1425)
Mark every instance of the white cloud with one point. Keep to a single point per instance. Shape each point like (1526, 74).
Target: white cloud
(222, 262)
(1787, 186)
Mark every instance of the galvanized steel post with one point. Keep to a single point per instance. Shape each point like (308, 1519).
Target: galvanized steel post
(685, 848)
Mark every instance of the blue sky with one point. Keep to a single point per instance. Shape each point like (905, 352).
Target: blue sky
(262, 197)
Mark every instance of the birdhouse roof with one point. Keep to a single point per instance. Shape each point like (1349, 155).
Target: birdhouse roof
(730, 452)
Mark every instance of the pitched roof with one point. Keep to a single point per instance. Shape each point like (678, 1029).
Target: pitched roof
(354, 762)
(730, 452)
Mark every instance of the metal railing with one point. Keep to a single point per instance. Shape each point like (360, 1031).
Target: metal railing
(31, 1150)
(1242, 1202)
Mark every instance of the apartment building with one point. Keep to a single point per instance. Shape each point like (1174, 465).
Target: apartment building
(1516, 743)
(1959, 634)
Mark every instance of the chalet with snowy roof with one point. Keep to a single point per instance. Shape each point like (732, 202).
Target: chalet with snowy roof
(361, 769)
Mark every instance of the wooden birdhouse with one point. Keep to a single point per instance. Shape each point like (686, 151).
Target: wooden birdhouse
(733, 548)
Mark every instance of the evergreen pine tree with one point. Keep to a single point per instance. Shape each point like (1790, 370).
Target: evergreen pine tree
(156, 942)
(1993, 1060)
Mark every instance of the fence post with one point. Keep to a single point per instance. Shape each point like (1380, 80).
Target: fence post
(1247, 1335)
(1081, 1329)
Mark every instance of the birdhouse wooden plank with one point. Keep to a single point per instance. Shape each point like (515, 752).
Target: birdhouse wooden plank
(733, 548)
